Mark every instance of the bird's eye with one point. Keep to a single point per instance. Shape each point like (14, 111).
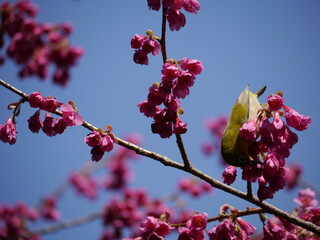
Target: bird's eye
(242, 159)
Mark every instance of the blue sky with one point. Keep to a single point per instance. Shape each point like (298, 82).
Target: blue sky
(273, 43)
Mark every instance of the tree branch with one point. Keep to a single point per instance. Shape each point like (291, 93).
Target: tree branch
(163, 34)
(68, 224)
(229, 215)
(268, 208)
(181, 147)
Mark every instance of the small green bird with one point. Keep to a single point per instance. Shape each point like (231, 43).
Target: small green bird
(234, 149)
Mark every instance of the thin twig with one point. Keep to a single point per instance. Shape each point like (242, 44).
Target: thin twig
(68, 224)
(249, 189)
(268, 208)
(229, 215)
(186, 161)
(163, 34)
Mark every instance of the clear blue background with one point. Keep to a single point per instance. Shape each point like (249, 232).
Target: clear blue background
(273, 43)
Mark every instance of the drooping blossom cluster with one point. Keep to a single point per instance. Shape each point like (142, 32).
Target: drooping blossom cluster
(233, 227)
(144, 45)
(49, 125)
(177, 78)
(8, 132)
(13, 221)
(85, 184)
(174, 15)
(100, 143)
(34, 46)
(274, 140)
(194, 187)
(307, 209)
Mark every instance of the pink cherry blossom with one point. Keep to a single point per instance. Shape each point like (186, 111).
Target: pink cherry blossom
(93, 139)
(296, 120)
(154, 96)
(151, 46)
(229, 175)
(50, 104)
(245, 226)
(148, 109)
(34, 122)
(207, 147)
(225, 230)
(192, 6)
(36, 100)
(48, 209)
(194, 187)
(192, 65)
(106, 143)
(84, 184)
(70, 116)
(100, 144)
(60, 125)
(275, 102)
(306, 198)
(48, 125)
(154, 4)
(273, 231)
(137, 41)
(8, 133)
(97, 153)
(153, 228)
(176, 19)
(293, 173)
(140, 58)
(179, 127)
(169, 71)
(249, 130)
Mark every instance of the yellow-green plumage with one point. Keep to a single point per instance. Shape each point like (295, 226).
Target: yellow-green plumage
(234, 149)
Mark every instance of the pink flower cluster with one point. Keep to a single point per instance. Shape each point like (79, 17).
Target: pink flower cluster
(293, 173)
(174, 16)
(177, 78)
(194, 228)
(307, 209)
(34, 46)
(84, 184)
(13, 221)
(215, 126)
(100, 144)
(275, 139)
(48, 209)
(229, 229)
(194, 187)
(233, 227)
(123, 213)
(144, 45)
(119, 172)
(154, 229)
(49, 125)
(8, 132)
